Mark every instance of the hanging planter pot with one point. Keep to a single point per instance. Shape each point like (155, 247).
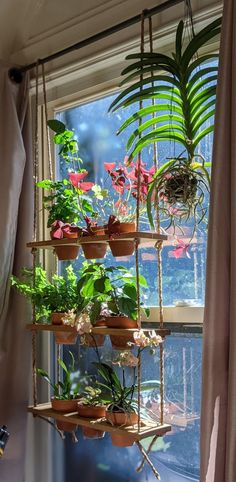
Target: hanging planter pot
(96, 250)
(122, 419)
(94, 412)
(123, 247)
(65, 406)
(64, 338)
(92, 340)
(60, 230)
(120, 342)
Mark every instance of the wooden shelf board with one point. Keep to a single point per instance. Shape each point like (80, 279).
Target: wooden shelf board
(97, 330)
(148, 429)
(143, 237)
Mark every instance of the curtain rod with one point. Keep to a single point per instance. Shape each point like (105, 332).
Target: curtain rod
(15, 74)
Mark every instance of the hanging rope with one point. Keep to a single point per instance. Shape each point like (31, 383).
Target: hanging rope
(47, 128)
(147, 459)
(137, 242)
(34, 250)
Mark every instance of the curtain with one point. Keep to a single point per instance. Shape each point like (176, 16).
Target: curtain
(16, 204)
(218, 418)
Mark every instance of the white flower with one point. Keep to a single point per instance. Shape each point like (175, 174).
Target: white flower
(143, 341)
(126, 358)
(69, 318)
(83, 324)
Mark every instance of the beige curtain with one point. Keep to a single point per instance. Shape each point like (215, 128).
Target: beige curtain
(16, 183)
(218, 422)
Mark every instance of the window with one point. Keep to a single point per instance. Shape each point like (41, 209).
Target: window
(177, 454)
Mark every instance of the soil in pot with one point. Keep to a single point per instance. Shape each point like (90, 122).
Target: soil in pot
(65, 406)
(123, 247)
(65, 338)
(87, 411)
(122, 419)
(95, 250)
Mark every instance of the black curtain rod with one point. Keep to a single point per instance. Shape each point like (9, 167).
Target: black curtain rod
(15, 74)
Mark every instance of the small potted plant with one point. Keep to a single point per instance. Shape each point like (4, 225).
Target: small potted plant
(92, 405)
(82, 323)
(97, 249)
(67, 200)
(111, 294)
(52, 298)
(65, 393)
(122, 411)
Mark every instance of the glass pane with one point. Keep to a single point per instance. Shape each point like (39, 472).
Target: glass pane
(176, 455)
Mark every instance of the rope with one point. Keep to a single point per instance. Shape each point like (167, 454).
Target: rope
(34, 250)
(137, 242)
(47, 128)
(58, 366)
(147, 459)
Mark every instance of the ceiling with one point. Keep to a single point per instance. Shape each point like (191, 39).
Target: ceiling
(36, 28)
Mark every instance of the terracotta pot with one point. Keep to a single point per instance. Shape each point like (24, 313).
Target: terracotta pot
(63, 337)
(123, 248)
(87, 411)
(95, 250)
(66, 253)
(93, 340)
(120, 342)
(124, 419)
(65, 406)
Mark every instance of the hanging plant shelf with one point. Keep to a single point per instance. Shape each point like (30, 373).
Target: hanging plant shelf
(96, 330)
(147, 429)
(144, 238)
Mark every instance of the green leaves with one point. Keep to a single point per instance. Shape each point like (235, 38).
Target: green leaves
(63, 390)
(56, 126)
(183, 91)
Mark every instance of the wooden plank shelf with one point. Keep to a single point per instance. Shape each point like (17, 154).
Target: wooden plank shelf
(145, 239)
(147, 429)
(96, 330)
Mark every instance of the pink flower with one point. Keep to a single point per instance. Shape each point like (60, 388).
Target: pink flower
(180, 251)
(109, 166)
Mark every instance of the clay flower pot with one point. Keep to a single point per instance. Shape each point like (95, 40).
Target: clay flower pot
(92, 340)
(63, 337)
(65, 406)
(88, 411)
(122, 419)
(120, 342)
(60, 231)
(95, 250)
(123, 248)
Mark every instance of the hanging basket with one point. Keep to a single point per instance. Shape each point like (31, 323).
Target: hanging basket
(65, 338)
(123, 247)
(65, 406)
(95, 250)
(122, 419)
(87, 411)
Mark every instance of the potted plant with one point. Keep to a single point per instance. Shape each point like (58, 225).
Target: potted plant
(122, 411)
(65, 393)
(80, 320)
(97, 249)
(68, 202)
(111, 294)
(52, 298)
(123, 218)
(185, 84)
(92, 405)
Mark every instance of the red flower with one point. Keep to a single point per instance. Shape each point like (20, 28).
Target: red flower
(109, 166)
(76, 178)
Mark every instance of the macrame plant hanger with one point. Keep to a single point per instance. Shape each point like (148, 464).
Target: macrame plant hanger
(35, 230)
(158, 247)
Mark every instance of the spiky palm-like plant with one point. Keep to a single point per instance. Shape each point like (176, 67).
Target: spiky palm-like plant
(182, 88)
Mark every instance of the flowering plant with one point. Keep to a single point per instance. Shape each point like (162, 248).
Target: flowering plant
(126, 358)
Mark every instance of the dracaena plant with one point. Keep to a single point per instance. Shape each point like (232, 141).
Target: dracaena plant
(182, 91)
(108, 291)
(66, 389)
